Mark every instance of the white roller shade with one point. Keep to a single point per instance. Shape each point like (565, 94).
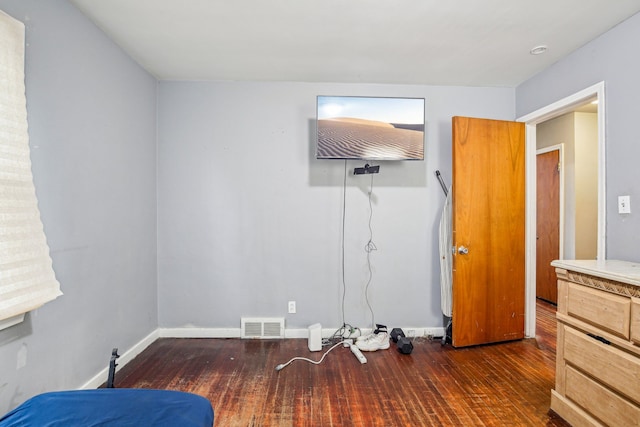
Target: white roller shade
(27, 279)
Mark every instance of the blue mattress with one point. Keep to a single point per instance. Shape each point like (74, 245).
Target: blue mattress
(112, 407)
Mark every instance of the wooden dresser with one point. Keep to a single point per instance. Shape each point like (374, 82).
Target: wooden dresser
(598, 350)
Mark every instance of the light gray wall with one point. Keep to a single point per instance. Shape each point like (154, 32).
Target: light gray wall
(578, 133)
(586, 168)
(92, 127)
(611, 58)
(561, 130)
(249, 219)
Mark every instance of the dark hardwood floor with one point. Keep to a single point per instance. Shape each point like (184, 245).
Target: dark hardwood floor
(505, 384)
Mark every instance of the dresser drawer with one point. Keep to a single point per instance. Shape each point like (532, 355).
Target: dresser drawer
(609, 312)
(599, 401)
(615, 368)
(635, 320)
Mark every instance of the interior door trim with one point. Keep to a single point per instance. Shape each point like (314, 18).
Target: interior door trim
(558, 108)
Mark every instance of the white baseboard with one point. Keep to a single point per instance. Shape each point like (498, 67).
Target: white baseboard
(409, 332)
(288, 333)
(101, 377)
(199, 332)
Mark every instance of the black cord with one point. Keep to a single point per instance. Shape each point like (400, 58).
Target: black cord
(370, 247)
(344, 208)
(346, 330)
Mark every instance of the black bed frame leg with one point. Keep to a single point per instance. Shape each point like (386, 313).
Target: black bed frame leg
(112, 368)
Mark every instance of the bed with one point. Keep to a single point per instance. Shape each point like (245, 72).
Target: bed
(112, 407)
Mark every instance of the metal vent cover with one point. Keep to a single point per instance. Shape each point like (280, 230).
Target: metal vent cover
(262, 327)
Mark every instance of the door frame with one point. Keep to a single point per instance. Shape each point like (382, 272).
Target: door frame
(560, 148)
(558, 108)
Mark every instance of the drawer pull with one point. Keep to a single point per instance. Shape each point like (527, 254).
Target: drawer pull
(602, 340)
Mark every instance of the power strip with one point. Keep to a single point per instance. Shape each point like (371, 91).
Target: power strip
(356, 351)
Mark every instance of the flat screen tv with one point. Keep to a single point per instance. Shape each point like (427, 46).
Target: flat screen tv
(370, 128)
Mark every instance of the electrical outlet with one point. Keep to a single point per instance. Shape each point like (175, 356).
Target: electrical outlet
(624, 204)
(292, 307)
(411, 333)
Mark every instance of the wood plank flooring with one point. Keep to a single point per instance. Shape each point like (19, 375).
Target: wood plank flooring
(506, 384)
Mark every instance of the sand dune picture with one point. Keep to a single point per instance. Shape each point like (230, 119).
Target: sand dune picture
(359, 137)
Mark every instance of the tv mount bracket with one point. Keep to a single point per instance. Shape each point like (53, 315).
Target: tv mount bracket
(366, 170)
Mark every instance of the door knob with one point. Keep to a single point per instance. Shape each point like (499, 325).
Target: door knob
(462, 250)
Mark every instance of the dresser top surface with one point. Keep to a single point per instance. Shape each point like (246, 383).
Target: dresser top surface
(620, 271)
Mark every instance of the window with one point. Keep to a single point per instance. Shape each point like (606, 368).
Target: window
(27, 279)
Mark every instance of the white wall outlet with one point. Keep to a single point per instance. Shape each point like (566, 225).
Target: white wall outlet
(292, 307)
(624, 204)
(411, 333)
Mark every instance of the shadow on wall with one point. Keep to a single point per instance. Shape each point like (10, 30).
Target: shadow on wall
(16, 332)
(330, 173)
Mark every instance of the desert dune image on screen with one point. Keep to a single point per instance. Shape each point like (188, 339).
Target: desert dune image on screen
(370, 128)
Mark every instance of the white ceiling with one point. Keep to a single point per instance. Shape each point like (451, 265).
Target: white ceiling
(435, 42)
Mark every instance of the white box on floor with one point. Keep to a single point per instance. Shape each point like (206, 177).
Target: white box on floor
(315, 337)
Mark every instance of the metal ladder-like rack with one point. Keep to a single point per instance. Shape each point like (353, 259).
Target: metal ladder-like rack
(447, 329)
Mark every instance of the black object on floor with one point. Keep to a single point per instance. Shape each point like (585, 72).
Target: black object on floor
(396, 333)
(405, 346)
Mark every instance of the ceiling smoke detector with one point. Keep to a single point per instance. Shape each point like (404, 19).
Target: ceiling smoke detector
(538, 50)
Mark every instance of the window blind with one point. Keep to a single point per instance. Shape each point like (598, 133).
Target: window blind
(27, 279)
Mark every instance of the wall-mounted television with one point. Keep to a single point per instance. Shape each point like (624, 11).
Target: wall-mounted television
(370, 128)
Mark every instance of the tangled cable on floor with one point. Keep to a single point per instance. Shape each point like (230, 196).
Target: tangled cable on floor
(284, 365)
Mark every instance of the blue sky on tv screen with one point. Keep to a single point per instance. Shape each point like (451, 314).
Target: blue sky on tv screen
(388, 110)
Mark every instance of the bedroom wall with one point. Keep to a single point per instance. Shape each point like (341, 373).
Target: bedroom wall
(578, 133)
(561, 130)
(586, 169)
(610, 58)
(248, 219)
(92, 127)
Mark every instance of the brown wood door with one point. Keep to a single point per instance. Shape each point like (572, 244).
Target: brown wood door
(489, 221)
(547, 224)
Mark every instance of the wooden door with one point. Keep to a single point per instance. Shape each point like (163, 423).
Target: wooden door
(489, 225)
(547, 224)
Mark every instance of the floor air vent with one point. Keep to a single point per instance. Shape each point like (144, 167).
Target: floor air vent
(262, 327)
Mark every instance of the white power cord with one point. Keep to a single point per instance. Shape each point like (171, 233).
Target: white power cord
(284, 365)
